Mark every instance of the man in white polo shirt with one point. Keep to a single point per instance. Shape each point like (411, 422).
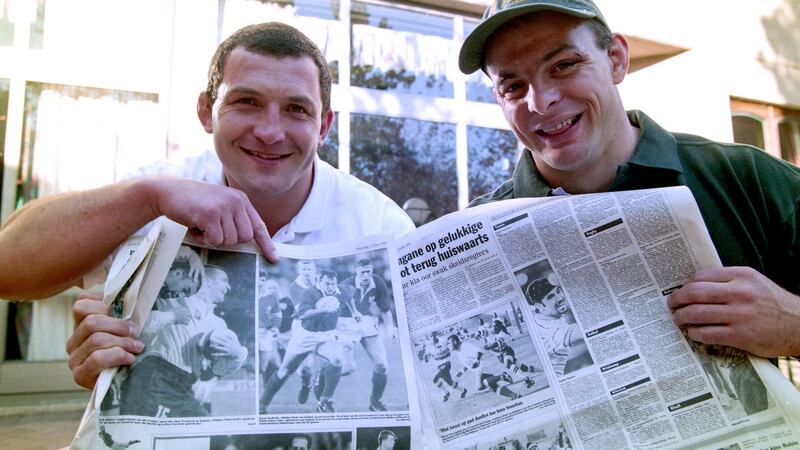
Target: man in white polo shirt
(267, 106)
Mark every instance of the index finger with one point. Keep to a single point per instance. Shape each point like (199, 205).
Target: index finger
(87, 305)
(719, 274)
(261, 236)
(694, 292)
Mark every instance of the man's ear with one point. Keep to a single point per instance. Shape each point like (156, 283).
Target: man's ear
(325, 128)
(204, 111)
(618, 54)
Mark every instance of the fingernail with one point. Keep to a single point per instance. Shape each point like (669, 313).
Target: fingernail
(138, 345)
(273, 255)
(132, 331)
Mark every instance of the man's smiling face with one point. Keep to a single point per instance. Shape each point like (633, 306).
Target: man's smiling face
(267, 122)
(557, 88)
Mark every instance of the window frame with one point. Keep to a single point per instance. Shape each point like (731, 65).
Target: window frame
(771, 116)
(23, 64)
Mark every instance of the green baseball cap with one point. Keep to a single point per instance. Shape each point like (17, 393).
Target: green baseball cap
(501, 11)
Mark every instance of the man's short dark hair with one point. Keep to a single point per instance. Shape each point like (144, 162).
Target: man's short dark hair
(384, 434)
(538, 289)
(327, 274)
(454, 339)
(272, 39)
(364, 262)
(603, 35)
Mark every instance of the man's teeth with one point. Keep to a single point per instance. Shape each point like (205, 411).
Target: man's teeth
(559, 126)
(264, 155)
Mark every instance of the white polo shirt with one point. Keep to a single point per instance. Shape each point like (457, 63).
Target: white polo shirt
(340, 207)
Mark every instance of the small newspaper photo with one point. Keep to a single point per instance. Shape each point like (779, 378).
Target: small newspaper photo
(518, 325)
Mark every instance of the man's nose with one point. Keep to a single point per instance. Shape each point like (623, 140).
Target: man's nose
(269, 128)
(541, 96)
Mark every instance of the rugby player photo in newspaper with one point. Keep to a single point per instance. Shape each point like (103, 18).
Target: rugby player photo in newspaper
(327, 336)
(478, 363)
(549, 436)
(553, 318)
(198, 342)
(734, 380)
(383, 438)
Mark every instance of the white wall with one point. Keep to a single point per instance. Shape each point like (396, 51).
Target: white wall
(742, 48)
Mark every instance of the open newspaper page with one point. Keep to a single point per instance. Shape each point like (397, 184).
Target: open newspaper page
(542, 323)
(242, 354)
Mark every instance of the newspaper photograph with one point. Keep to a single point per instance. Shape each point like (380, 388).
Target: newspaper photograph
(543, 324)
(244, 354)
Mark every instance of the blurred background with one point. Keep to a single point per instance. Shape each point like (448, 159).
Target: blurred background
(92, 89)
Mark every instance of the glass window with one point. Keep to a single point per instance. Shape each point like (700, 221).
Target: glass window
(406, 158)
(402, 51)
(748, 130)
(479, 87)
(37, 27)
(492, 155)
(329, 152)
(6, 26)
(317, 19)
(323, 9)
(789, 132)
(77, 137)
(73, 138)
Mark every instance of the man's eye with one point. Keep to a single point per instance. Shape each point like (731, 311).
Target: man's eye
(296, 109)
(246, 101)
(514, 90)
(564, 65)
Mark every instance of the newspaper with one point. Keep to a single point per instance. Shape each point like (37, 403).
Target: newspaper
(543, 324)
(536, 323)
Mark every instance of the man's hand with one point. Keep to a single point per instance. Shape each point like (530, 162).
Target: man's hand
(215, 215)
(738, 307)
(182, 315)
(193, 259)
(99, 341)
(222, 343)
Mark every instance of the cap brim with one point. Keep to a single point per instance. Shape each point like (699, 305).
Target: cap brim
(470, 58)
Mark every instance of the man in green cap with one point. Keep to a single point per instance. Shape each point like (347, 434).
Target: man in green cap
(555, 66)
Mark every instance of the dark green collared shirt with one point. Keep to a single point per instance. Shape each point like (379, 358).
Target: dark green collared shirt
(749, 199)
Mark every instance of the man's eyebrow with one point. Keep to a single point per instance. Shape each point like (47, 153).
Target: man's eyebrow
(547, 57)
(243, 90)
(304, 99)
(552, 53)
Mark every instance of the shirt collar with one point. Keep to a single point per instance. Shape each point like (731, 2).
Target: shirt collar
(302, 282)
(656, 149)
(311, 216)
(527, 180)
(358, 287)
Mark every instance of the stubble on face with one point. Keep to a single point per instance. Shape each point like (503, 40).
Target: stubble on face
(267, 124)
(557, 90)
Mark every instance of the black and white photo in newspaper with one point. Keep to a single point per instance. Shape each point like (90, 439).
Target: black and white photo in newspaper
(327, 336)
(198, 341)
(482, 361)
(229, 338)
